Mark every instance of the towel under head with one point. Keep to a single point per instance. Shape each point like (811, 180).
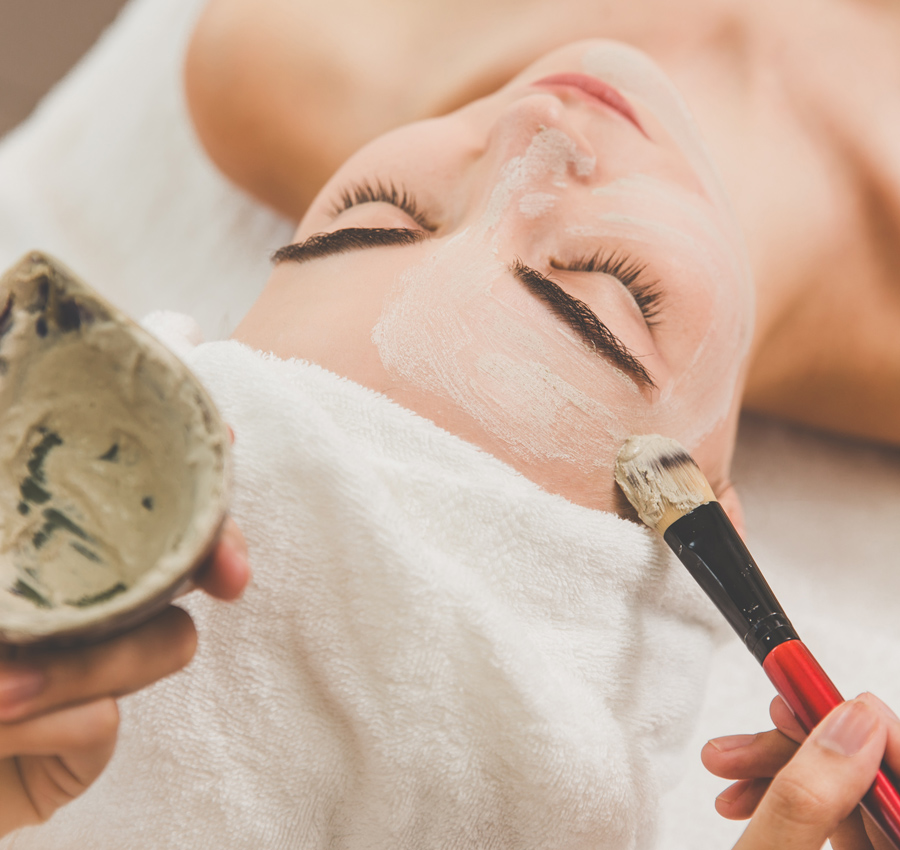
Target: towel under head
(434, 652)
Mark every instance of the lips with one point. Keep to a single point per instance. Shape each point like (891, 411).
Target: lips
(594, 89)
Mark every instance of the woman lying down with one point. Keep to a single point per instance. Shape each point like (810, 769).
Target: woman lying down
(454, 637)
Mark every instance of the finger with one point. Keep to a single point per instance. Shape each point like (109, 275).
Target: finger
(784, 719)
(227, 572)
(822, 784)
(17, 809)
(77, 729)
(748, 756)
(892, 749)
(113, 668)
(739, 801)
(852, 834)
(892, 758)
(857, 831)
(57, 757)
(876, 838)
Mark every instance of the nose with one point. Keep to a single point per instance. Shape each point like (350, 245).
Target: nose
(539, 129)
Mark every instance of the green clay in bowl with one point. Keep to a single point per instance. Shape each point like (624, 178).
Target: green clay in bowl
(113, 464)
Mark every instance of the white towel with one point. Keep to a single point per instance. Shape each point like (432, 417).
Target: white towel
(434, 652)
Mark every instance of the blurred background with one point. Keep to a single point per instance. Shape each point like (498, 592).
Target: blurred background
(39, 41)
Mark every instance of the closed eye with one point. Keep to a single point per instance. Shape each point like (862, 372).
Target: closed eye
(629, 272)
(365, 192)
(584, 321)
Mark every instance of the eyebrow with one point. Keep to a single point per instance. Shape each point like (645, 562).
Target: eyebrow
(347, 239)
(576, 314)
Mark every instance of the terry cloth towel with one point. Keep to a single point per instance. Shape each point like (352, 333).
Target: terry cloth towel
(433, 653)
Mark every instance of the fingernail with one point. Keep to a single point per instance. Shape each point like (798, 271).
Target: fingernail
(734, 792)
(848, 728)
(877, 704)
(18, 686)
(732, 742)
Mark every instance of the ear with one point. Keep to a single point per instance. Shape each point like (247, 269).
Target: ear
(731, 504)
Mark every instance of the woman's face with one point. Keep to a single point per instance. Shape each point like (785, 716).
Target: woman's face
(542, 273)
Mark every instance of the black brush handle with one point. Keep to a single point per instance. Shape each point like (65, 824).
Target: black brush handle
(709, 546)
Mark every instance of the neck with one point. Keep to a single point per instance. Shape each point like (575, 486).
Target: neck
(807, 150)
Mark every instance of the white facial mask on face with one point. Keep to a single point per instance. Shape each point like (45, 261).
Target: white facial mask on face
(456, 325)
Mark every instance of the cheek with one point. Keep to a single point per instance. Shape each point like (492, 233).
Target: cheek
(542, 390)
(707, 355)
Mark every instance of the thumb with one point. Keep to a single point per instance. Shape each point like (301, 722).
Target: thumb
(822, 783)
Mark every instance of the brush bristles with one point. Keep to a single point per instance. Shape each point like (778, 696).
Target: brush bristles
(661, 480)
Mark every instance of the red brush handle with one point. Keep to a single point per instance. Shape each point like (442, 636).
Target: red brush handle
(810, 694)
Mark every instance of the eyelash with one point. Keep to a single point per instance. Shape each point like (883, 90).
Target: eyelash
(367, 193)
(629, 272)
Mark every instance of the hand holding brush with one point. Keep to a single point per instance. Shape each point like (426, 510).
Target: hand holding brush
(672, 496)
(799, 796)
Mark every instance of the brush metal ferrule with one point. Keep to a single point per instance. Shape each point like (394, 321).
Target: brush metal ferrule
(709, 546)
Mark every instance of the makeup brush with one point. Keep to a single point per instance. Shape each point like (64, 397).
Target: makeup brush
(672, 496)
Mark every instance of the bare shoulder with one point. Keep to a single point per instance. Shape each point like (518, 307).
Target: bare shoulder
(223, 84)
(277, 92)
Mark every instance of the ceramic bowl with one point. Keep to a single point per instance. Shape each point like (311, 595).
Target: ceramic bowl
(113, 463)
